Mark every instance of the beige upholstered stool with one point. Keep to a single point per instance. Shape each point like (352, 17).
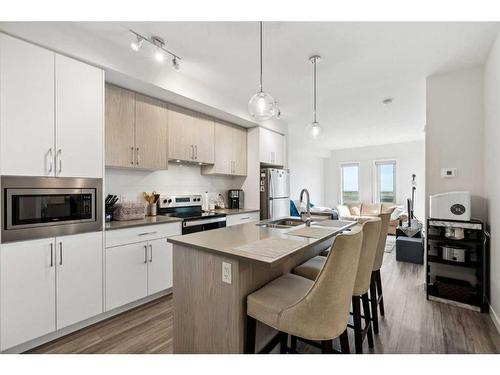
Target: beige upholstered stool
(376, 296)
(311, 268)
(312, 310)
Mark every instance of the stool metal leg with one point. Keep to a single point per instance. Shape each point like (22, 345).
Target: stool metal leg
(250, 335)
(380, 293)
(358, 334)
(283, 342)
(344, 342)
(373, 301)
(368, 319)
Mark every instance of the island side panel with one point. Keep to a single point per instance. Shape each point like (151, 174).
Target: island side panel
(207, 315)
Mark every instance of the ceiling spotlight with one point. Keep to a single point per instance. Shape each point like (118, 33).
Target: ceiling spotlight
(175, 64)
(159, 55)
(137, 44)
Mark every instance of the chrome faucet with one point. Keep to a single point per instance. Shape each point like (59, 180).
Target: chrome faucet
(308, 210)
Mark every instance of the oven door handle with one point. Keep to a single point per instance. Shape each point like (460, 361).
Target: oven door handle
(194, 223)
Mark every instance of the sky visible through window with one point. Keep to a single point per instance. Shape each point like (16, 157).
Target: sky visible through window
(350, 190)
(386, 182)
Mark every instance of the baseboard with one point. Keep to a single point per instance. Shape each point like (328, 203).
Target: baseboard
(77, 326)
(495, 318)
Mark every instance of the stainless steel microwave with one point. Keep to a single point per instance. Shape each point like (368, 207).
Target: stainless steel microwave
(40, 207)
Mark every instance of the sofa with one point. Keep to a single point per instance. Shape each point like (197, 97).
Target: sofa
(357, 210)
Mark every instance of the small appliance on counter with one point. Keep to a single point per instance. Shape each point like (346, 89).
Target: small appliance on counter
(454, 205)
(236, 198)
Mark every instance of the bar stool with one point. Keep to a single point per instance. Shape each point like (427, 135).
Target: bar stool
(311, 310)
(311, 268)
(376, 296)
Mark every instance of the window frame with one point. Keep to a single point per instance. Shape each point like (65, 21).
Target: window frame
(341, 179)
(376, 187)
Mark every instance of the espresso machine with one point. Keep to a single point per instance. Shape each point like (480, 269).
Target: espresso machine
(236, 198)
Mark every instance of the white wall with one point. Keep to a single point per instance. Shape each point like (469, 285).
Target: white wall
(492, 172)
(306, 164)
(454, 134)
(178, 179)
(410, 160)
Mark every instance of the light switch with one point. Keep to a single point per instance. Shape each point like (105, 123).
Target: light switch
(226, 273)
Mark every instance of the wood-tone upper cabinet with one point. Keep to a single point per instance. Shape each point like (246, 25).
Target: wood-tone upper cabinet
(271, 147)
(120, 127)
(26, 108)
(136, 130)
(230, 151)
(191, 136)
(151, 119)
(79, 119)
(239, 151)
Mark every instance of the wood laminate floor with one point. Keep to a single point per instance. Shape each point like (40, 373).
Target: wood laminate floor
(411, 324)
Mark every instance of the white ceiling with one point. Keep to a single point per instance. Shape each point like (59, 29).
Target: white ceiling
(363, 63)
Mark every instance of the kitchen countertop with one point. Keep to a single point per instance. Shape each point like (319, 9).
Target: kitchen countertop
(148, 220)
(229, 240)
(235, 211)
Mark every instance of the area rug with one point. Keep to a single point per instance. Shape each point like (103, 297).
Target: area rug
(390, 244)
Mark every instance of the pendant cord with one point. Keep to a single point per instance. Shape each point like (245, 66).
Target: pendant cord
(260, 33)
(315, 90)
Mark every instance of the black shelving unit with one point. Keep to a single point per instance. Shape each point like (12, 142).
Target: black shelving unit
(460, 283)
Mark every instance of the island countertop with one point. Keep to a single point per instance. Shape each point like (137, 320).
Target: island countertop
(248, 241)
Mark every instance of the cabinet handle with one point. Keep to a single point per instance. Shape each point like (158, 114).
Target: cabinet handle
(192, 152)
(150, 253)
(196, 152)
(145, 233)
(137, 160)
(145, 254)
(132, 155)
(60, 253)
(52, 255)
(245, 218)
(59, 152)
(51, 160)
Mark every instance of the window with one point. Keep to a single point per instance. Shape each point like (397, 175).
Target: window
(349, 182)
(386, 181)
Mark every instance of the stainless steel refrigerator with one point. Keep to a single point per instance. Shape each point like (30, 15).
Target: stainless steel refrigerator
(274, 193)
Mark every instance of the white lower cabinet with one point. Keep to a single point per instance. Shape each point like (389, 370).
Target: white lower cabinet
(126, 274)
(28, 291)
(138, 263)
(160, 265)
(242, 218)
(48, 284)
(79, 277)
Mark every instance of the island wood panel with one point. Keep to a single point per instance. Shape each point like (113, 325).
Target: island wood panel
(151, 119)
(210, 315)
(120, 127)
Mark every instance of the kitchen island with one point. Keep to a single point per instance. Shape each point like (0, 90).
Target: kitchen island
(214, 271)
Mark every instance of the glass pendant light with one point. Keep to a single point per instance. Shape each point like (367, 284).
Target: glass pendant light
(262, 105)
(314, 129)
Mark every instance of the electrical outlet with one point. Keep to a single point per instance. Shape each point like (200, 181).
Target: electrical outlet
(226, 273)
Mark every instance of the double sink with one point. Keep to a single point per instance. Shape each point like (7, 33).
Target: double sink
(286, 222)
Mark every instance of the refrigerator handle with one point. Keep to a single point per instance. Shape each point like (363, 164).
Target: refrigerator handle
(271, 193)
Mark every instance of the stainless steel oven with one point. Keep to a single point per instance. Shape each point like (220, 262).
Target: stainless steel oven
(39, 207)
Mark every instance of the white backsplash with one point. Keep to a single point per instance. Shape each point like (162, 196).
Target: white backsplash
(179, 179)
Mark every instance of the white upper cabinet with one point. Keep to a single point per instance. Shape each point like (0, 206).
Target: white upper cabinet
(26, 109)
(51, 113)
(79, 277)
(79, 119)
(272, 147)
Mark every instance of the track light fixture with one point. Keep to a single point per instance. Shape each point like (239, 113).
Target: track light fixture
(159, 45)
(137, 44)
